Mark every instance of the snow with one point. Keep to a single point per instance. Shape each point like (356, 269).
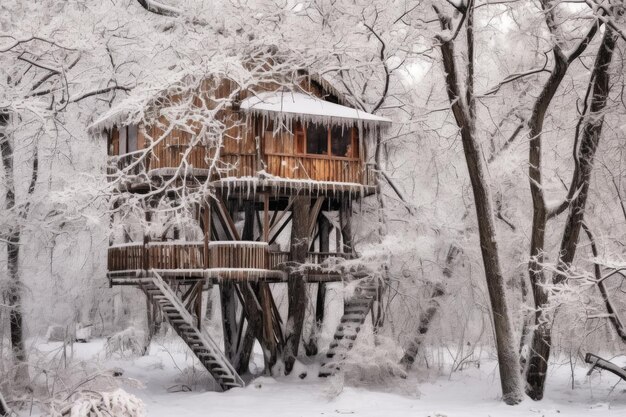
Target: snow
(306, 108)
(278, 184)
(125, 245)
(238, 243)
(174, 243)
(473, 392)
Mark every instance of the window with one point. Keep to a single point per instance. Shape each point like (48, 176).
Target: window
(341, 141)
(316, 139)
(123, 141)
(127, 140)
(132, 138)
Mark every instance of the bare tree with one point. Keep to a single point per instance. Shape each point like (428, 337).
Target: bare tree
(463, 105)
(39, 73)
(585, 146)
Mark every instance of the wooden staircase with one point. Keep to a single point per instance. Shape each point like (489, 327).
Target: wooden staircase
(207, 351)
(355, 311)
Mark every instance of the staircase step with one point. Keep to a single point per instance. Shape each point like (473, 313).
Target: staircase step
(356, 310)
(211, 358)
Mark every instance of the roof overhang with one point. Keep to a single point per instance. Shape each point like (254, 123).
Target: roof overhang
(289, 106)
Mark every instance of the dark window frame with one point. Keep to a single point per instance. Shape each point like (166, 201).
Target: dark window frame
(302, 130)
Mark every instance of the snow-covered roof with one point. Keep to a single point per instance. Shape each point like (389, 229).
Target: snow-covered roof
(303, 107)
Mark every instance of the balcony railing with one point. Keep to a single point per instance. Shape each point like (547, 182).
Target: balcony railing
(238, 254)
(300, 167)
(191, 255)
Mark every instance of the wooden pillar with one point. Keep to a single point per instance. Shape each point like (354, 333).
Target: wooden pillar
(207, 232)
(198, 303)
(247, 344)
(324, 247)
(296, 284)
(228, 296)
(265, 296)
(345, 220)
(152, 314)
(266, 217)
(228, 303)
(324, 227)
(146, 235)
(248, 222)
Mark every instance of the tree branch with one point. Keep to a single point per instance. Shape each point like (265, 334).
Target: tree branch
(614, 318)
(99, 91)
(159, 8)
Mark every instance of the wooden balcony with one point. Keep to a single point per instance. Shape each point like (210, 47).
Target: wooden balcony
(165, 160)
(224, 256)
(316, 168)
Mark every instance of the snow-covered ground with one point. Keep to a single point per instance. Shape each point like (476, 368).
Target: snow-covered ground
(169, 368)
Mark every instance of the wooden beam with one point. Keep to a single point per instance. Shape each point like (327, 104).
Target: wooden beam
(266, 217)
(275, 233)
(274, 214)
(227, 219)
(207, 232)
(314, 214)
(285, 211)
(228, 304)
(296, 286)
(345, 220)
(248, 224)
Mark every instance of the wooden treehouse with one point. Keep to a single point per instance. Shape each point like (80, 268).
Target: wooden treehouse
(276, 194)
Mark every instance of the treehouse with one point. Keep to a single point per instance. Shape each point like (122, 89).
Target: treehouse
(266, 174)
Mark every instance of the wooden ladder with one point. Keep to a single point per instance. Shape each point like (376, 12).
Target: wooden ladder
(355, 311)
(202, 345)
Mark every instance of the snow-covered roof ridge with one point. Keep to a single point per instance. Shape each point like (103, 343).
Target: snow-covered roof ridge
(307, 108)
(145, 96)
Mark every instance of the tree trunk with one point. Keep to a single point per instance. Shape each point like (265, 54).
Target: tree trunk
(296, 285)
(429, 314)
(14, 287)
(463, 110)
(592, 130)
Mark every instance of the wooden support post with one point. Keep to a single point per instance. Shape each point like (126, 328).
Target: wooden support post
(248, 222)
(345, 220)
(198, 303)
(296, 282)
(244, 350)
(324, 247)
(251, 303)
(228, 302)
(270, 342)
(207, 232)
(146, 235)
(152, 314)
(266, 217)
